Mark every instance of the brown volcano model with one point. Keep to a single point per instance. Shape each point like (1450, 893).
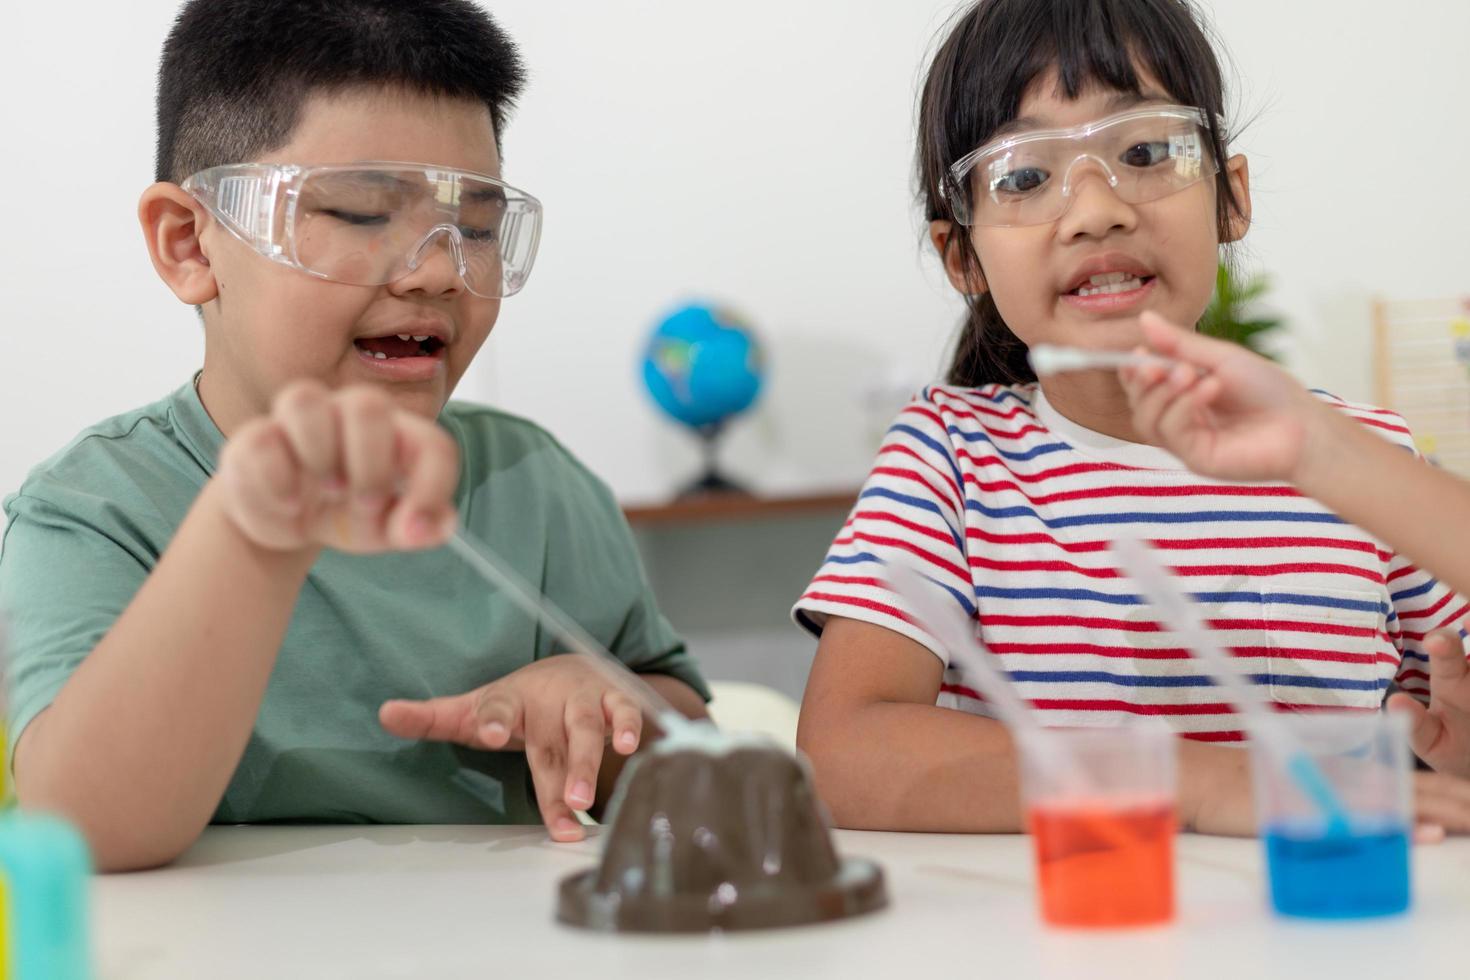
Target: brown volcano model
(718, 832)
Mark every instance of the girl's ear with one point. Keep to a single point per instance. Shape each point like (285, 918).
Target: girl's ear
(948, 239)
(1237, 172)
(172, 221)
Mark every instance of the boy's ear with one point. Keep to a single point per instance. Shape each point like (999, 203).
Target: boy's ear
(172, 221)
(948, 239)
(1237, 172)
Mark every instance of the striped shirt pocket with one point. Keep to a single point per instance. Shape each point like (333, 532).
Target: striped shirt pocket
(1324, 648)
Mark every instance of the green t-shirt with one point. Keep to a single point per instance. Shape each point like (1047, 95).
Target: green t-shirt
(88, 525)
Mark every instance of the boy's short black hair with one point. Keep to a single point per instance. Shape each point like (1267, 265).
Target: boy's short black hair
(235, 73)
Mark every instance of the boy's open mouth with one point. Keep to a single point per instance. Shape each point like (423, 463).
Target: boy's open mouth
(397, 346)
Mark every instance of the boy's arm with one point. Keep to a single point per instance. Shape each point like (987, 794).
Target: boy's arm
(576, 727)
(142, 739)
(885, 757)
(140, 743)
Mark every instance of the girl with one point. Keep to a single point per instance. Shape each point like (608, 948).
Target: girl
(1075, 173)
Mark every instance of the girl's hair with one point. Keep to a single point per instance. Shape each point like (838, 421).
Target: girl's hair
(995, 50)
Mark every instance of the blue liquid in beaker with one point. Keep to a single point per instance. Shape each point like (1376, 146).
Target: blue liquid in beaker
(1320, 874)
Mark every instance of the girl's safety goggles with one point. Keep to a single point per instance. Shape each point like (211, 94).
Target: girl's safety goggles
(1028, 178)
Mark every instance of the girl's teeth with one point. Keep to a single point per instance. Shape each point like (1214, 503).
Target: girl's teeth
(403, 336)
(1107, 285)
(421, 339)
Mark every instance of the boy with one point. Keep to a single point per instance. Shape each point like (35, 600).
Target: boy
(231, 605)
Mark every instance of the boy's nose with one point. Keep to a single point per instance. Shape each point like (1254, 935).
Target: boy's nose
(435, 265)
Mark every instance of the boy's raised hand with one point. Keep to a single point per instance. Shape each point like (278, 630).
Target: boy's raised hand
(1440, 733)
(344, 469)
(1223, 410)
(560, 710)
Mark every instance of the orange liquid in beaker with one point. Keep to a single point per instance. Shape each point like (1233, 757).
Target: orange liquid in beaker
(1103, 867)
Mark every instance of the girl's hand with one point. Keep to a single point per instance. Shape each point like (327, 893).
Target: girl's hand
(1440, 733)
(1224, 411)
(343, 469)
(560, 710)
(1441, 806)
(1216, 793)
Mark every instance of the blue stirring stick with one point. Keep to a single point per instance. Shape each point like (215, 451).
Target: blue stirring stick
(1180, 614)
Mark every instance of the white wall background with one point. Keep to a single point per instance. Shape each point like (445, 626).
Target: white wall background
(758, 153)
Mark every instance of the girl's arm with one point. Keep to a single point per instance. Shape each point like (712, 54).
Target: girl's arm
(885, 757)
(1229, 413)
(1415, 508)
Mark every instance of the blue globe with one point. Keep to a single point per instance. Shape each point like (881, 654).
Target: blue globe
(703, 365)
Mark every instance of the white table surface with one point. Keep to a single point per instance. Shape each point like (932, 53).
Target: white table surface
(450, 902)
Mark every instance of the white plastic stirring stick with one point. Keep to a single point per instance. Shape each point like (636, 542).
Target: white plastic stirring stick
(944, 623)
(1049, 359)
(1181, 616)
(495, 571)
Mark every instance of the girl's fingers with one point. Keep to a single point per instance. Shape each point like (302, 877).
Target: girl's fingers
(1181, 417)
(1150, 406)
(1169, 340)
(1447, 664)
(1428, 833)
(1425, 729)
(1161, 334)
(1442, 799)
(1139, 377)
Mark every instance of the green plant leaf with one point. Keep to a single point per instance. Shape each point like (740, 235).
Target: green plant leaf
(1229, 315)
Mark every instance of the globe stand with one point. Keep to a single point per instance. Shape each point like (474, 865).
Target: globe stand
(711, 481)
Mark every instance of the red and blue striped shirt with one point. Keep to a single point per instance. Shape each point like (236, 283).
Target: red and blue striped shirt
(1010, 507)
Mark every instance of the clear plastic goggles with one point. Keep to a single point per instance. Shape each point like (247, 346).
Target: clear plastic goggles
(1144, 154)
(372, 223)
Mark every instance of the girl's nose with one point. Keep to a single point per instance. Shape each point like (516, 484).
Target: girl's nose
(1093, 207)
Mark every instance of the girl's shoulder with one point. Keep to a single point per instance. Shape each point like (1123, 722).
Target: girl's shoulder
(1384, 421)
(990, 401)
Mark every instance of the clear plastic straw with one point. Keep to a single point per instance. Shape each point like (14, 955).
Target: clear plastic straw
(1181, 616)
(483, 559)
(943, 620)
(1047, 359)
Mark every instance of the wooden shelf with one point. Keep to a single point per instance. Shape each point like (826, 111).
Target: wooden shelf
(717, 507)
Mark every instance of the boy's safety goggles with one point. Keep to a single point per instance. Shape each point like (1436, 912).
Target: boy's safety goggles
(1028, 179)
(372, 223)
